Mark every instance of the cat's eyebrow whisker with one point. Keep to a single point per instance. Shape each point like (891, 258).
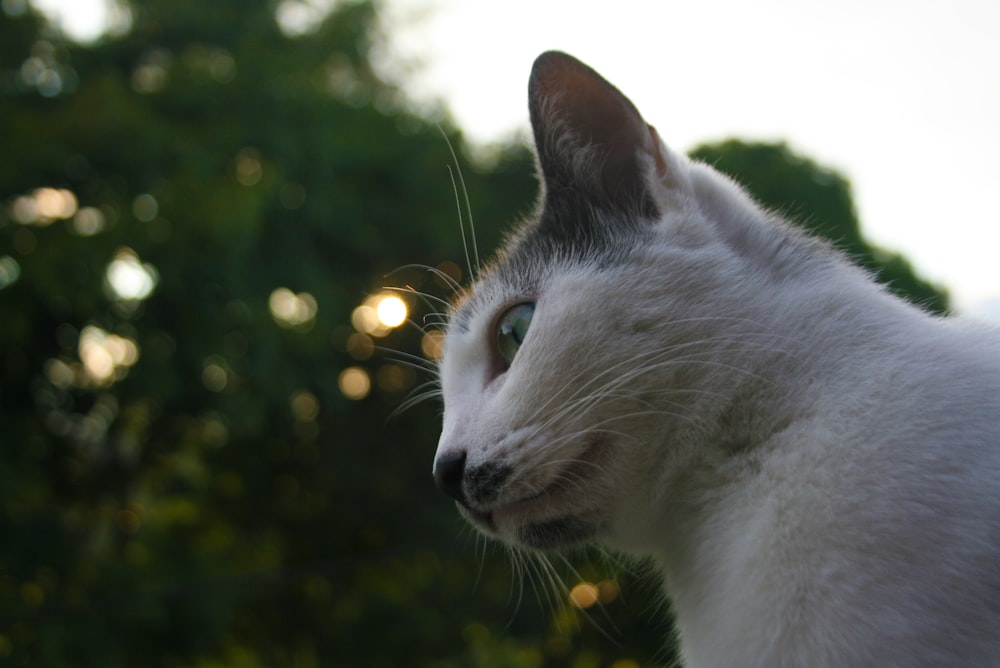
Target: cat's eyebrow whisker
(426, 297)
(468, 207)
(409, 359)
(451, 283)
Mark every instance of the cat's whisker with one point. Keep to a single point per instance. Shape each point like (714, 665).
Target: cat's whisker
(585, 612)
(468, 207)
(429, 300)
(634, 364)
(414, 400)
(451, 283)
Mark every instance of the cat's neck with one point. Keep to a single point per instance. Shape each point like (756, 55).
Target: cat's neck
(772, 368)
(830, 398)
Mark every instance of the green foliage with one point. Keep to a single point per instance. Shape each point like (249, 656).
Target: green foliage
(183, 481)
(212, 497)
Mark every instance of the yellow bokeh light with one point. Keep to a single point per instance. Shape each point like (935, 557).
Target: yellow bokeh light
(584, 595)
(354, 383)
(105, 355)
(625, 663)
(360, 346)
(44, 206)
(607, 591)
(379, 314)
(432, 344)
(305, 406)
(249, 170)
(391, 311)
(394, 377)
(53, 203)
(214, 377)
(365, 320)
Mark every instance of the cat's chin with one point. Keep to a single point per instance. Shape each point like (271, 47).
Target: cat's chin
(551, 519)
(548, 534)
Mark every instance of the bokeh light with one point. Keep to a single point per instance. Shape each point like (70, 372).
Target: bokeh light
(583, 595)
(391, 311)
(587, 594)
(214, 376)
(365, 320)
(305, 406)
(380, 314)
(360, 346)
(44, 206)
(354, 383)
(432, 344)
(145, 207)
(88, 221)
(394, 378)
(291, 310)
(128, 278)
(106, 357)
(249, 170)
(10, 270)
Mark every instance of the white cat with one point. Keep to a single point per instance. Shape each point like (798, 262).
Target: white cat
(656, 364)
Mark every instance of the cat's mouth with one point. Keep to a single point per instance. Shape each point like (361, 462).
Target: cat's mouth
(552, 517)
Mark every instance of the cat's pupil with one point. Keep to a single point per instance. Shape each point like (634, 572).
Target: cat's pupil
(512, 329)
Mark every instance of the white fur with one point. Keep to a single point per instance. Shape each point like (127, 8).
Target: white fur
(813, 464)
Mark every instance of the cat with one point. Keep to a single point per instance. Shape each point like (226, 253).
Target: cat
(654, 363)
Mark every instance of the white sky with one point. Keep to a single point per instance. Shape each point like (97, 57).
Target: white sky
(903, 97)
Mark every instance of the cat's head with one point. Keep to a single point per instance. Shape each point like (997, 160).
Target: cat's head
(574, 358)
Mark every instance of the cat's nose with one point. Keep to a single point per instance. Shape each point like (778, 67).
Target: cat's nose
(449, 469)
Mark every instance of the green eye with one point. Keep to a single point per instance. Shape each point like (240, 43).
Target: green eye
(512, 329)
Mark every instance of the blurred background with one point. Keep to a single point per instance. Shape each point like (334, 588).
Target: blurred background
(206, 212)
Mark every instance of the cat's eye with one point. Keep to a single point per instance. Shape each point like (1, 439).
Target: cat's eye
(512, 329)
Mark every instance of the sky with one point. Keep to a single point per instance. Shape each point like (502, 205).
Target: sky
(900, 97)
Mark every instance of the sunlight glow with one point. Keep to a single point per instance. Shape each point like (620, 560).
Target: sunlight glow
(379, 314)
(128, 278)
(391, 311)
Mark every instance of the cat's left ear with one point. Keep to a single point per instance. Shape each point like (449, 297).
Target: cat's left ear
(591, 140)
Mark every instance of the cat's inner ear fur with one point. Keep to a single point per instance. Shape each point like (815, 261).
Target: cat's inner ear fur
(592, 142)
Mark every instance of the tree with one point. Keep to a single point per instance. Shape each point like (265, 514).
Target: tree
(196, 209)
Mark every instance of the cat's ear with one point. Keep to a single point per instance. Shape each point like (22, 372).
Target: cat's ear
(591, 140)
